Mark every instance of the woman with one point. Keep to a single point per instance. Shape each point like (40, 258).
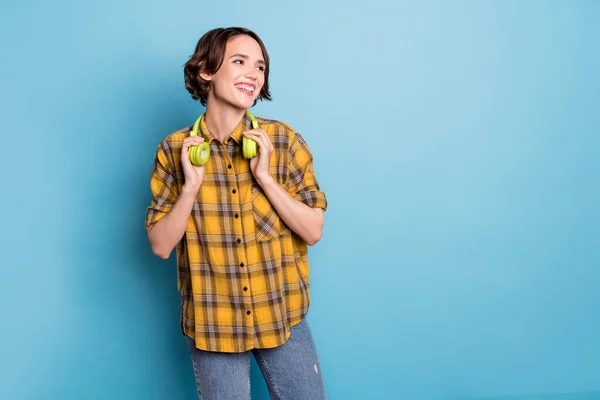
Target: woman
(241, 226)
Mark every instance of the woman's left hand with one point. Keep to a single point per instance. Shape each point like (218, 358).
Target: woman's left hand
(260, 165)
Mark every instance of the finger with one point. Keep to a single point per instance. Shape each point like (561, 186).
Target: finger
(185, 159)
(185, 148)
(192, 141)
(263, 147)
(256, 137)
(256, 132)
(267, 139)
(260, 133)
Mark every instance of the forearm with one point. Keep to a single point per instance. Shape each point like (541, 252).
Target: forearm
(165, 234)
(306, 221)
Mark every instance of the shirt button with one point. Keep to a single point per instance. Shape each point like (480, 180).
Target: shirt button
(239, 240)
(229, 166)
(236, 215)
(245, 289)
(233, 191)
(242, 265)
(248, 312)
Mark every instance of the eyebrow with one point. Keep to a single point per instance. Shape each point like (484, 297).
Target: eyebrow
(245, 57)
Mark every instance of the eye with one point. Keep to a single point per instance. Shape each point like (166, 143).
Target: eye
(235, 61)
(261, 68)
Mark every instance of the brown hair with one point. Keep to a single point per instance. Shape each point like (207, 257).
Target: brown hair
(208, 58)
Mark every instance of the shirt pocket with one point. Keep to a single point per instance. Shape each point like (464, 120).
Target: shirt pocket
(267, 223)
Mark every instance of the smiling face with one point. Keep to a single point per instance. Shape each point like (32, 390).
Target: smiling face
(239, 80)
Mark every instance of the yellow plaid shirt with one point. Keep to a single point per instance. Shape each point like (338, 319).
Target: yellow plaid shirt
(243, 275)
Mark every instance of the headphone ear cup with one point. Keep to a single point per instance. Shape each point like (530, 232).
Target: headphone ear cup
(192, 154)
(249, 148)
(199, 154)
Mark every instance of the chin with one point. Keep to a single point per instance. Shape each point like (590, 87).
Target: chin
(245, 104)
(243, 101)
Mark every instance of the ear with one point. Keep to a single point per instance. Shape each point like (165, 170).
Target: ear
(205, 76)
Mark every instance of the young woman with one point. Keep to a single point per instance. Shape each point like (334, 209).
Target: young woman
(241, 223)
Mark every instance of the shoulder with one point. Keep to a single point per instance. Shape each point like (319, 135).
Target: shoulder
(281, 129)
(287, 139)
(168, 149)
(174, 139)
(178, 135)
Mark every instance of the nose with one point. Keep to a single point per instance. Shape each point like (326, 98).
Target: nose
(252, 74)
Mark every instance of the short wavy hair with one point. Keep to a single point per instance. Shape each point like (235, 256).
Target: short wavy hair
(208, 58)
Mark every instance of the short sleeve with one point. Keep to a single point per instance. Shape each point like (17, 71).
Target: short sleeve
(303, 185)
(163, 184)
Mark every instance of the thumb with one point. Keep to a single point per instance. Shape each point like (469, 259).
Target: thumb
(185, 158)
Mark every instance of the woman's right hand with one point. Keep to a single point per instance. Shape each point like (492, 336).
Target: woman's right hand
(193, 174)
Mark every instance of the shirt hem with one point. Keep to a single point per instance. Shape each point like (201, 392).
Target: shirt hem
(229, 349)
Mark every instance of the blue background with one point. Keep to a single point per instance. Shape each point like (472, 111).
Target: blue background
(457, 143)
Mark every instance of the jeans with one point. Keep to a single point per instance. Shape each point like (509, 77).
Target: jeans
(292, 371)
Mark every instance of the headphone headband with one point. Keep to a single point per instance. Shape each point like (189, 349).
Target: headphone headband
(196, 126)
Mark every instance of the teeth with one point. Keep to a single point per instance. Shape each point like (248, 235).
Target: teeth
(246, 88)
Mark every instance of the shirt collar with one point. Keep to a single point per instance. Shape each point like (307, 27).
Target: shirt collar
(244, 125)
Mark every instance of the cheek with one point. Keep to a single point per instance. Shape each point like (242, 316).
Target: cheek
(225, 85)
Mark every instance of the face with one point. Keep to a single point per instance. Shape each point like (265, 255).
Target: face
(241, 76)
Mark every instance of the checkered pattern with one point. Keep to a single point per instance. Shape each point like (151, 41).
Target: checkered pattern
(243, 275)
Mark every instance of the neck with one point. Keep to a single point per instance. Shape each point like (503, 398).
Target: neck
(222, 120)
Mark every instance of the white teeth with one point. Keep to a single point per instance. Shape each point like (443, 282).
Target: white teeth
(246, 88)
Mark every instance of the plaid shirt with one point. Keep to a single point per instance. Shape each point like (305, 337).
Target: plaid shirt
(243, 275)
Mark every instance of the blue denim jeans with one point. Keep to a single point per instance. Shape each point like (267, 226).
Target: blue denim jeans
(292, 371)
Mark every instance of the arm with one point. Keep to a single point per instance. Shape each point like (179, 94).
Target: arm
(306, 221)
(302, 206)
(167, 216)
(168, 231)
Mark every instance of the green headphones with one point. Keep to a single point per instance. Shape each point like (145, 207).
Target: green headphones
(199, 154)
